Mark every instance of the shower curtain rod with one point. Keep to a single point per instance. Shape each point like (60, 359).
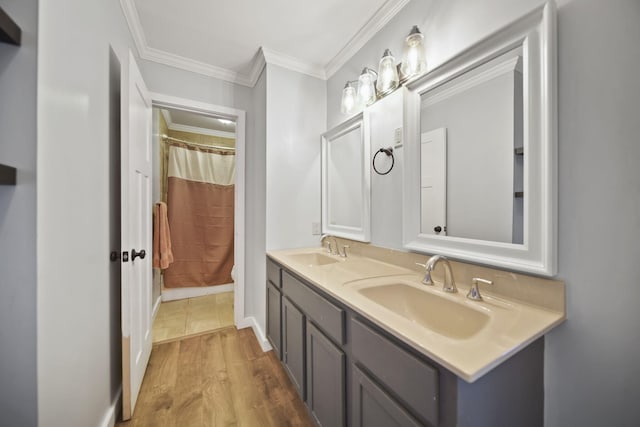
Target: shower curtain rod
(217, 147)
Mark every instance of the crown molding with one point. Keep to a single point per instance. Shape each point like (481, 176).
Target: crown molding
(291, 63)
(264, 55)
(386, 12)
(201, 131)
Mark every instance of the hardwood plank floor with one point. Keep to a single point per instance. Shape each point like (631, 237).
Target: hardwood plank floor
(218, 379)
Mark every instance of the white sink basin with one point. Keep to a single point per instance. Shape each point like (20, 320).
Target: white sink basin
(314, 259)
(429, 310)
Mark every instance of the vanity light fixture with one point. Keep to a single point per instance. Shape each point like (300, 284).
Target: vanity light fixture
(388, 79)
(375, 85)
(367, 87)
(414, 58)
(348, 104)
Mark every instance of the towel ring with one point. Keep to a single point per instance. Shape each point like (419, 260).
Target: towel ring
(388, 152)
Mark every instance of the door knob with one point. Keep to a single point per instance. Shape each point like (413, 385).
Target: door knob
(135, 254)
(437, 229)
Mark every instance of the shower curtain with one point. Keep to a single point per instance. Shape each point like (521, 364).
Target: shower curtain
(200, 200)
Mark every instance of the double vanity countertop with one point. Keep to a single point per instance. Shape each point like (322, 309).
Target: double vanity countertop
(467, 337)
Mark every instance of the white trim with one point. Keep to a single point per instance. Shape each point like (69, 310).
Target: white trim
(156, 307)
(251, 322)
(264, 55)
(202, 131)
(172, 294)
(386, 12)
(502, 66)
(294, 64)
(110, 417)
(239, 116)
(362, 233)
(133, 21)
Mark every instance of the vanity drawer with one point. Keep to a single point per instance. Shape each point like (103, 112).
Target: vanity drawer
(414, 382)
(273, 273)
(326, 315)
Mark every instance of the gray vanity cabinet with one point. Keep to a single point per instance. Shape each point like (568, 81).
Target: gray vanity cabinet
(274, 307)
(274, 313)
(351, 372)
(373, 407)
(293, 348)
(326, 375)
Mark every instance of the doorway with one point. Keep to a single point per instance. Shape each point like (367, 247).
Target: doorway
(186, 127)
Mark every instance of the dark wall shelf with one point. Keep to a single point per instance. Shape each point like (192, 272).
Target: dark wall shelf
(9, 30)
(7, 175)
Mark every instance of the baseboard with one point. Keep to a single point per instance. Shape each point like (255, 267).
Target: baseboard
(156, 307)
(171, 294)
(109, 419)
(251, 322)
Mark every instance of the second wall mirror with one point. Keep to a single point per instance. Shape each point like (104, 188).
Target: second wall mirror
(346, 179)
(480, 156)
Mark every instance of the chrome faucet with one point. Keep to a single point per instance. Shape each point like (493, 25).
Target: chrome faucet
(329, 247)
(449, 284)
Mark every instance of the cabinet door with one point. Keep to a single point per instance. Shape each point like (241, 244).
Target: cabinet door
(372, 407)
(274, 325)
(325, 379)
(293, 347)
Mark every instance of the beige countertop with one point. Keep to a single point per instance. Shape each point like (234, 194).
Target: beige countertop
(507, 324)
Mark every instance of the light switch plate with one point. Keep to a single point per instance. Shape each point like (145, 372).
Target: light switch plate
(397, 136)
(316, 229)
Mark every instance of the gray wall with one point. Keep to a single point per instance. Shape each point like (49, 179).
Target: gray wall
(78, 316)
(18, 392)
(592, 377)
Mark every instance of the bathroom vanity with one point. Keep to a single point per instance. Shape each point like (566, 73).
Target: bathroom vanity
(357, 359)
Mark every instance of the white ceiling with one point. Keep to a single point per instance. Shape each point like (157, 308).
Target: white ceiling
(224, 38)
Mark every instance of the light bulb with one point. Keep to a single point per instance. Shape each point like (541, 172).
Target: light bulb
(387, 73)
(366, 89)
(348, 99)
(414, 58)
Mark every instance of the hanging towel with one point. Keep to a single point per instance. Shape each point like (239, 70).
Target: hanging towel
(162, 255)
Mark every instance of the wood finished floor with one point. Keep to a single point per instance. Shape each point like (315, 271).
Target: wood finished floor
(192, 316)
(218, 379)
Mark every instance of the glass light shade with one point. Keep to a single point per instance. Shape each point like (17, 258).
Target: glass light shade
(366, 89)
(348, 99)
(414, 59)
(387, 73)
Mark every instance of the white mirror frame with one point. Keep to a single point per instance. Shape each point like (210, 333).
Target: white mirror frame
(536, 33)
(363, 234)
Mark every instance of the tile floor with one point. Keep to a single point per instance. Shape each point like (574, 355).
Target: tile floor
(192, 316)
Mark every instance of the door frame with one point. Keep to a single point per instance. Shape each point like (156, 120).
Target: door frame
(239, 116)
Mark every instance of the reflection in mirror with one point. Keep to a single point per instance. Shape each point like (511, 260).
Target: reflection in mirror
(471, 153)
(346, 179)
(344, 164)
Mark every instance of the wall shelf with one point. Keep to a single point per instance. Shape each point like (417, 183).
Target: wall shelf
(7, 175)
(9, 30)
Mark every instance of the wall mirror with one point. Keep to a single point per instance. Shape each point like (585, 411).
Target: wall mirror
(346, 179)
(480, 155)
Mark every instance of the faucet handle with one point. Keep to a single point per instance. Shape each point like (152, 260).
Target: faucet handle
(474, 292)
(343, 254)
(427, 275)
(329, 250)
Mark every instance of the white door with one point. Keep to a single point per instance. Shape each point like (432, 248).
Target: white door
(136, 232)
(433, 182)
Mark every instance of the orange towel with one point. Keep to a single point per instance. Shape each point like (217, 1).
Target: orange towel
(162, 255)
